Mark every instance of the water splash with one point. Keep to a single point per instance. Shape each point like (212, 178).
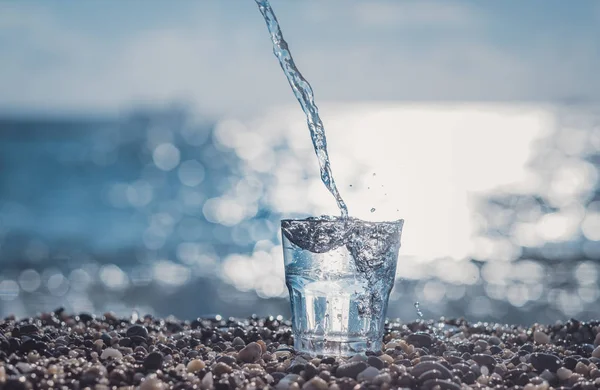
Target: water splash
(304, 93)
(418, 307)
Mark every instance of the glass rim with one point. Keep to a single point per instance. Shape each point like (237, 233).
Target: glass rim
(399, 222)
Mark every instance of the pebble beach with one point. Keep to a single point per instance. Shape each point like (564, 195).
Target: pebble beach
(63, 351)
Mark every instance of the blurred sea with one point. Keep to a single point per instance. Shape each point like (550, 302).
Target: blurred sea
(167, 212)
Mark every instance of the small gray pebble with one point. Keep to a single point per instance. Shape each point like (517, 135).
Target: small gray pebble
(350, 370)
(238, 342)
(368, 374)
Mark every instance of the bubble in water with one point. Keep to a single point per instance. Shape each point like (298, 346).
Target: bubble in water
(373, 209)
(419, 312)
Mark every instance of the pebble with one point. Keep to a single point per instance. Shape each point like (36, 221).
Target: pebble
(382, 378)
(250, 353)
(24, 368)
(137, 330)
(358, 358)
(484, 360)
(387, 358)
(544, 361)
(221, 368)
(376, 362)
(350, 370)
(419, 339)
(440, 384)
(208, 381)
(424, 367)
(541, 337)
(29, 329)
(287, 381)
(153, 361)
(368, 374)
(111, 353)
(152, 384)
(196, 365)
(596, 351)
(315, 383)
(238, 341)
(563, 373)
(581, 368)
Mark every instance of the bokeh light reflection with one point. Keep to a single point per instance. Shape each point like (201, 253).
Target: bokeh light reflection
(194, 208)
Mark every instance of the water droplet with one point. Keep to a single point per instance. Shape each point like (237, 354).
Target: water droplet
(374, 174)
(373, 209)
(368, 188)
(419, 312)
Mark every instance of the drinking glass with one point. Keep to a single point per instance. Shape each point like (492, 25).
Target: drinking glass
(339, 273)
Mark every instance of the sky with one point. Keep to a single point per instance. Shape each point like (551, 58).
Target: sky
(98, 56)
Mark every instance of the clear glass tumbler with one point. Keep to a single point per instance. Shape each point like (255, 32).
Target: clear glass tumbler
(339, 272)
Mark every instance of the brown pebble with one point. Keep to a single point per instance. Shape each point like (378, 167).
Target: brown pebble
(387, 358)
(221, 368)
(250, 353)
(263, 346)
(195, 365)
(581, 368)
(541, 337)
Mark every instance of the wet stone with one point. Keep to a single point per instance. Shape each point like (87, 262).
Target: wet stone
(250, 353)
(238, 341)
(315, 383)
(419, 339)
(376, 362)
(350, 370)
(484, 360)
(221, 368)
(368, 374)
(137, 330)
(544, 361)
(153, 361)
(227, 359)
(424, 367)
(440, 384)
(28, 329)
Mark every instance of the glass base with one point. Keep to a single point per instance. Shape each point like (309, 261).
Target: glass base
(319, 345)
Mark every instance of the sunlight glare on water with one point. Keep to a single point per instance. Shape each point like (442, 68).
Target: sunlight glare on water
(431, 160)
